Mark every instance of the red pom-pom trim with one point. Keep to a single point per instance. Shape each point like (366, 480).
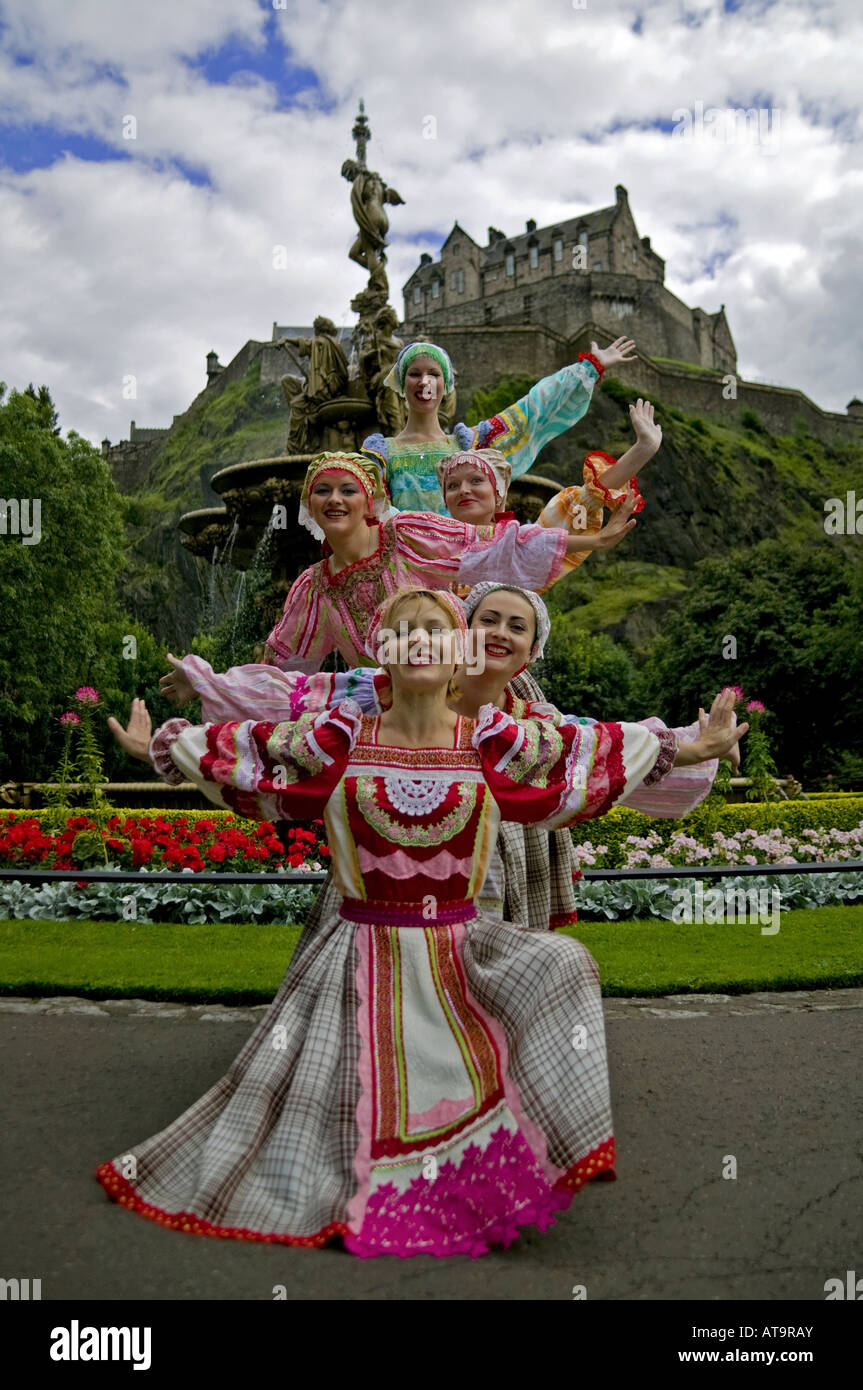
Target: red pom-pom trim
(594, 361)
(596, 479)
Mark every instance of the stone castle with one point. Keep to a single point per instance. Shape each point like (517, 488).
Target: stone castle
(592, 269)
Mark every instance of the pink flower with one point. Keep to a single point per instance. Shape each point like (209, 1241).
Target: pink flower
(755, 707)
(86, 695)
(737, 689)
(69, 718)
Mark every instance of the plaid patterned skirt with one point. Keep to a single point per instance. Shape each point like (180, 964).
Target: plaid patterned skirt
(411, 1090)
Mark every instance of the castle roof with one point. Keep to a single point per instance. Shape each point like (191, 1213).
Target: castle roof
(594, 223)
(597, 223)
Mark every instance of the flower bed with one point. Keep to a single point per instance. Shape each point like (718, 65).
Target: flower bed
(747, 846)
(218, 843)
(199, 841)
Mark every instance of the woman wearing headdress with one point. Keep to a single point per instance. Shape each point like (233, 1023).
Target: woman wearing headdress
(474, 485)
(424, 375)
(374, 550)
(428, 1079)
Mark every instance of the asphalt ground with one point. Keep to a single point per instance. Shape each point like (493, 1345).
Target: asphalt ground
(769, 1080)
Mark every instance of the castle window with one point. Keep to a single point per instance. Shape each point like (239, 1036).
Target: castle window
(534, 257)
(510, 263)
(634, 255)
(489, 313)
(460, 281)
(558, 248)
(582, 239)
(528, 307)
(418, 294)
(622, 246)
(597, 265)
(435, 289)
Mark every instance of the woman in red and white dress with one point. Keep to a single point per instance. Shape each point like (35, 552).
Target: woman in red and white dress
(429, 1079)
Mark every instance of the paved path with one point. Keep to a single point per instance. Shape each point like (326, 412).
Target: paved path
(772, 1079)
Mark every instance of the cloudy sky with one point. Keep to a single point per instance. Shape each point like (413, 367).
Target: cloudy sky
(133, 256)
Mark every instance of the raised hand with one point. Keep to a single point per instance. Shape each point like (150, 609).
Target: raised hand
(647, 432)
(136, 737)
(620, 524)
(718, 733)
(176, 686)
(615, 352)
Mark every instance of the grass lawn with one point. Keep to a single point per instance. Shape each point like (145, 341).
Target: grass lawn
(819, 947)
(235, 963)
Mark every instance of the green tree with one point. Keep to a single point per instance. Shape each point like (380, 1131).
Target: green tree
(585, 673)
(788, 615)
(61, 623)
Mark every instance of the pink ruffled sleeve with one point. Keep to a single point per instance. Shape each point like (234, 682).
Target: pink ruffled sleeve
(680, 789)
(435, 550)
(305, 633)
(269, 694)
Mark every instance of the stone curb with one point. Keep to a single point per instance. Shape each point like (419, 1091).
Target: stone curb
(663, 1007)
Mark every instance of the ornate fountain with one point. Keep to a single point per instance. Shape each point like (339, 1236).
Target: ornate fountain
(335, 403)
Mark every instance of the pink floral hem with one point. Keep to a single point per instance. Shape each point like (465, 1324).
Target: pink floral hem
(466, 1209)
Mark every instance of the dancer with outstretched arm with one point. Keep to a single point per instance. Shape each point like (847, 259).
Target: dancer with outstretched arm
(414, 1088)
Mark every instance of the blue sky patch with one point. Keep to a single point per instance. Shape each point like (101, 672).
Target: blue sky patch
(26, 147)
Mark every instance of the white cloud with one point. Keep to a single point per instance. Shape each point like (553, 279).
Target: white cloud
(124, 266)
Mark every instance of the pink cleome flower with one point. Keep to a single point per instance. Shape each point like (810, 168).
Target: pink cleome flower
(86, 695)
(70, 717)
(755, 707)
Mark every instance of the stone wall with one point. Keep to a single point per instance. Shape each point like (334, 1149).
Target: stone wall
(483, 355)
(780, 409)
(130, 463)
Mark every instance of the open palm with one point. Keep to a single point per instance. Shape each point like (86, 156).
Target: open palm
(621, 350)
(135, 738)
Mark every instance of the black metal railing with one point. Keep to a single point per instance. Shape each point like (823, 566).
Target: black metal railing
(295, 876)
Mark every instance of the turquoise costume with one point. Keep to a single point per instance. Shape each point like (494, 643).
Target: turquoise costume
(520, 432)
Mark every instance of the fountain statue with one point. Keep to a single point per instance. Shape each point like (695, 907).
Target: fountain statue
(334, 404)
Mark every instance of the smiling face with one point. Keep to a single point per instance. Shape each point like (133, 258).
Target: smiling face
(469, 495)
(337, 503)
(509, 626)
(423, 653)
(424, 385)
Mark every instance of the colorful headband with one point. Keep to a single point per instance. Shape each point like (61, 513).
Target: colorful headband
(367, 473)
(543, 622)
(396, 378)
(443, 597)
(491, 462)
